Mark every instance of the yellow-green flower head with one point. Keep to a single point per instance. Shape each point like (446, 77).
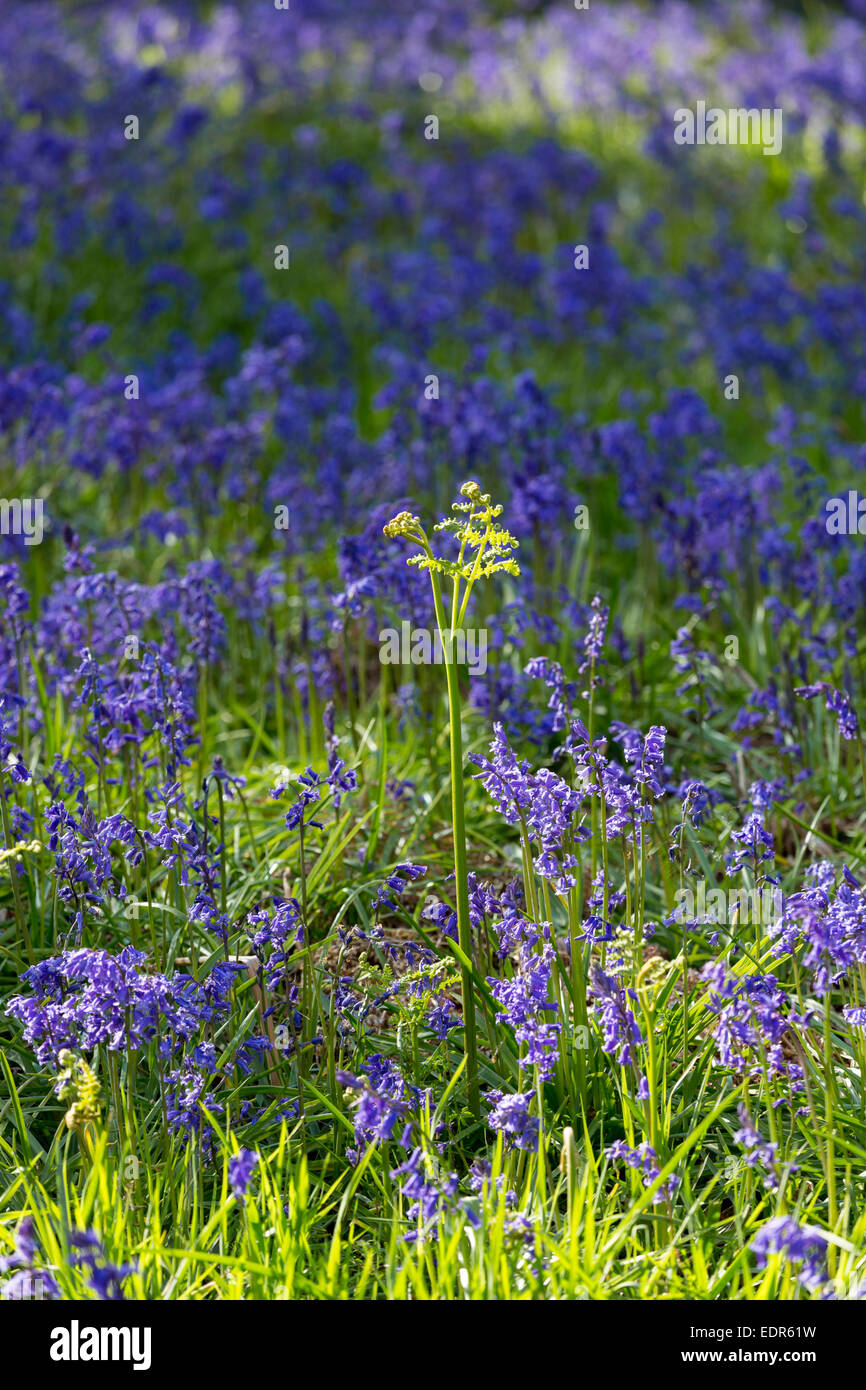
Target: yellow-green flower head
(78, 1083)
(484, 546)
(404, 524)
(473, 492)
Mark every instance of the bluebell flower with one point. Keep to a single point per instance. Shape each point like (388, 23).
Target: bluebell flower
(645, 1160)
(510, 1115)
(621, 1032)
(803, 1246)
(104, 1277)
(837, 702)
(240, 1171)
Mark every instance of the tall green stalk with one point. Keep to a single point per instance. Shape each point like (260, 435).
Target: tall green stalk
(458, 822)
(476, 532)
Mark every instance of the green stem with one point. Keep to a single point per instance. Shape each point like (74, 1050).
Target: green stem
(464, 931)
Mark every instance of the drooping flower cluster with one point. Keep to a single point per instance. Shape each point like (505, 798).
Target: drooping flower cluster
(86, 998)
(802, 1246)
(754, 1014)
(644, 1160)
(760, 1152)
(621, 1032)
(241, 1167)
(525, 1001)
(384, 1101)
(542, 803)
(511, 1116)
(28, 1280)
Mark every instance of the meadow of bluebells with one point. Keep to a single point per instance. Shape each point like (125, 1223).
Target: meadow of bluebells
(327, 978)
